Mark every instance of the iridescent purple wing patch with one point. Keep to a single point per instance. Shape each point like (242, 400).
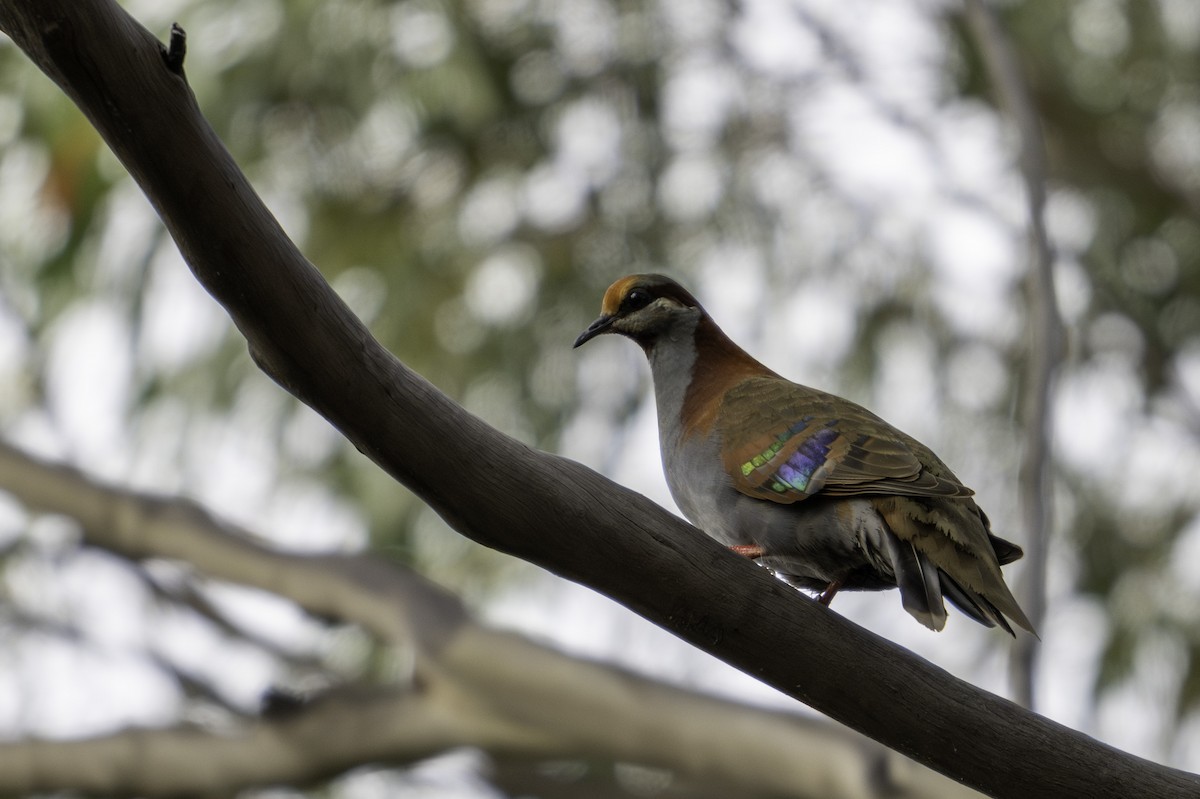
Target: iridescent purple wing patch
(796, 474)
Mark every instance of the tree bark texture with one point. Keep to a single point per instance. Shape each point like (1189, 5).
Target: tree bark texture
(545, 509)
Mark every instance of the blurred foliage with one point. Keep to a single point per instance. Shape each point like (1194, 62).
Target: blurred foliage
(1119, 94)
(470, 175)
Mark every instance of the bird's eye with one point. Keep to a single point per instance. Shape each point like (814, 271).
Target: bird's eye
(636, 300)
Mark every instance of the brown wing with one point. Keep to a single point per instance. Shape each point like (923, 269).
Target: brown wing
(785, 442)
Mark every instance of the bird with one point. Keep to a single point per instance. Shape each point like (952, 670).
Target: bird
(820, 490)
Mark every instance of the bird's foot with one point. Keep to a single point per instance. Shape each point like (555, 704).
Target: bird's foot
(826, 596)
(752, 551)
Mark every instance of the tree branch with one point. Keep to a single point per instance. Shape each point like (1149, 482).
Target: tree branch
(321, 740)
(483, 688)
(543, 508)
(1045, 339)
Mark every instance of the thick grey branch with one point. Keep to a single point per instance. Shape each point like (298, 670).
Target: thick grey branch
(536, 506)
(353, 727)
(332, 735)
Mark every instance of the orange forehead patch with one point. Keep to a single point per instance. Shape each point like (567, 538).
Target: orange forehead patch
(616, 292)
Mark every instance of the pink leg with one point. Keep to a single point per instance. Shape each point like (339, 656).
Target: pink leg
(830, 591)
(751, 551)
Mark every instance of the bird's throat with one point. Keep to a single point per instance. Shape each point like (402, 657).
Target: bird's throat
(693, 368)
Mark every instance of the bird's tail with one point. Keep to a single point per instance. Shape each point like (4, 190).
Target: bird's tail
(974, 605)
(919, 581)
(929, 565)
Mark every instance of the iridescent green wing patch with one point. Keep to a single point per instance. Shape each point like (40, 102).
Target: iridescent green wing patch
(794, 464)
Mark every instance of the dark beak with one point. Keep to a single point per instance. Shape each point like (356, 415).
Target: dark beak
(600, 326)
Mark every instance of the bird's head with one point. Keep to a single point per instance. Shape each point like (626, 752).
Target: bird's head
(644, 308)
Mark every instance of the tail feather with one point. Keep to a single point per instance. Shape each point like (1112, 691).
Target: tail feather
(919, 583)
(930, 563)
(1006, 551)
(974, 605)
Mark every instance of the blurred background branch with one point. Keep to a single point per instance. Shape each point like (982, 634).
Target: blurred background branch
(1043, 339)
(466, 686)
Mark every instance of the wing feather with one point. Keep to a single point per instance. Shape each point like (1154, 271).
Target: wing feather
(785, 442)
